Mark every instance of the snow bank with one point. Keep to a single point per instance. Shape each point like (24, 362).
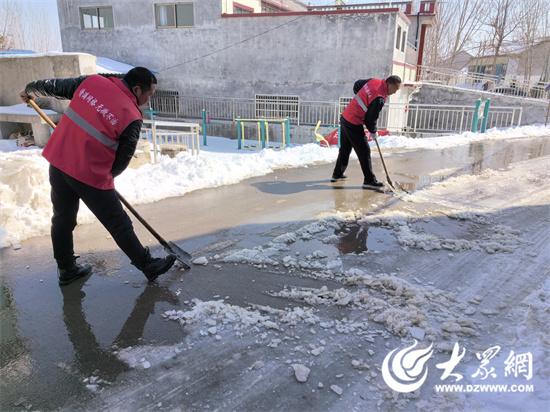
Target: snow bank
(442, 142)
(24, 196)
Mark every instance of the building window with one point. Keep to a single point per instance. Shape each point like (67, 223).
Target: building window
(398, 40)
(174, 15)
(403, 41)
(96, 18)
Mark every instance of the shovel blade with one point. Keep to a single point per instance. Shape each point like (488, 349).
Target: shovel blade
(180, 254)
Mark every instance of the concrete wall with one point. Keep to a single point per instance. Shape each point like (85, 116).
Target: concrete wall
(317, 57)
(20, 70)
(534, 111)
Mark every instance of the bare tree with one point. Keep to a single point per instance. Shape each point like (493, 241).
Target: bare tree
(10, 33)
(37, 37)
(530, 29)
(502, 21)
(456, 24)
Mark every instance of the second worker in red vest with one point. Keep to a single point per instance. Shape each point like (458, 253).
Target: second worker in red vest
(93, 143)
(364, 108)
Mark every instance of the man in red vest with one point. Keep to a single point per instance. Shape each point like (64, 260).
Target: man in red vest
(364, 108)
(93, 143)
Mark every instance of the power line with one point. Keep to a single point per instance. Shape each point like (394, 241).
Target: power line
(230, 45)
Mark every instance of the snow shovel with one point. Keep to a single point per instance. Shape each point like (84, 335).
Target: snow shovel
(169, 247)
(390, 183)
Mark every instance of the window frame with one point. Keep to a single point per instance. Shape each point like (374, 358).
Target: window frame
(96, 7)
(404, 40)
(398, 38)
(244, 9)
(173, 4)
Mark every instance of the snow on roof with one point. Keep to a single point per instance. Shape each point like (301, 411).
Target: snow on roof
(103, 64)
(16, 51)
(106, 65)
(30, 54)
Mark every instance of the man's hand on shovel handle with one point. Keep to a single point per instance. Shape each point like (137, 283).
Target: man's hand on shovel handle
(25, 96)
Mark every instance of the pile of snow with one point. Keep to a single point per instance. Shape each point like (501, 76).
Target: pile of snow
(24, 191)
(494, 238)
(442, 142)
(218, 316)
(404, 309)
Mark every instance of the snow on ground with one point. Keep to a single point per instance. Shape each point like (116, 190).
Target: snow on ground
(24, 188)
(442, 142)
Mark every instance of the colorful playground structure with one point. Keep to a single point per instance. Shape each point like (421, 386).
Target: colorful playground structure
(262, 132)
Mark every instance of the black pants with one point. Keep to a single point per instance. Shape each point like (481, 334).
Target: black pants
(104, 204)
(353, 137)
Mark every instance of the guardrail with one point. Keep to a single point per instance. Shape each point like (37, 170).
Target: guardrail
(484, 82)
(411, 119)
(404, 6)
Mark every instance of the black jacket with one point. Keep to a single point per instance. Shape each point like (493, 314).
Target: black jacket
(373, 111)
(65, 89)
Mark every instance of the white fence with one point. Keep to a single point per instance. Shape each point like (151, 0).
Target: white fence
(404, 6)
(172, 135)
(412, 119)
(166, 102)
(480, 81)
(427, 119)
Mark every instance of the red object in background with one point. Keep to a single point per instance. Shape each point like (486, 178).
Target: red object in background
(332, 137)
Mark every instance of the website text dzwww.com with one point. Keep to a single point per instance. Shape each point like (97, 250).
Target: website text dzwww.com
(471, 388)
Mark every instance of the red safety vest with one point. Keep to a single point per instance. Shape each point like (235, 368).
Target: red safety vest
(356, 109)
(84, 143)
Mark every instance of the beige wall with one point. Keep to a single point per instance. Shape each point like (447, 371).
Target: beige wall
(17, 71)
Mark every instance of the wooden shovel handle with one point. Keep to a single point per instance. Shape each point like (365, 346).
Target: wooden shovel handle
(41, 113)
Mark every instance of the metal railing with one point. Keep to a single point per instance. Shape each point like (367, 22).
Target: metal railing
(427, 119)
(404, 6)
(412, 119)
(277, 106)
(171, 135)
(482, 82)
(166, 102)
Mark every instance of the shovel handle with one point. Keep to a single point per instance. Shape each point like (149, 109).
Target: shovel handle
(142, 220)
(382, 159)
(41, 113)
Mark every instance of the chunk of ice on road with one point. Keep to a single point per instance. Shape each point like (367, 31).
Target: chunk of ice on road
(203, 261)
(301, 372)
(336, 389)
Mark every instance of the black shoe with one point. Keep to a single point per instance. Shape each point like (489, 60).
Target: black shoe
(72, 272)
(373, 184)
(154, 267)
(338, 178)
